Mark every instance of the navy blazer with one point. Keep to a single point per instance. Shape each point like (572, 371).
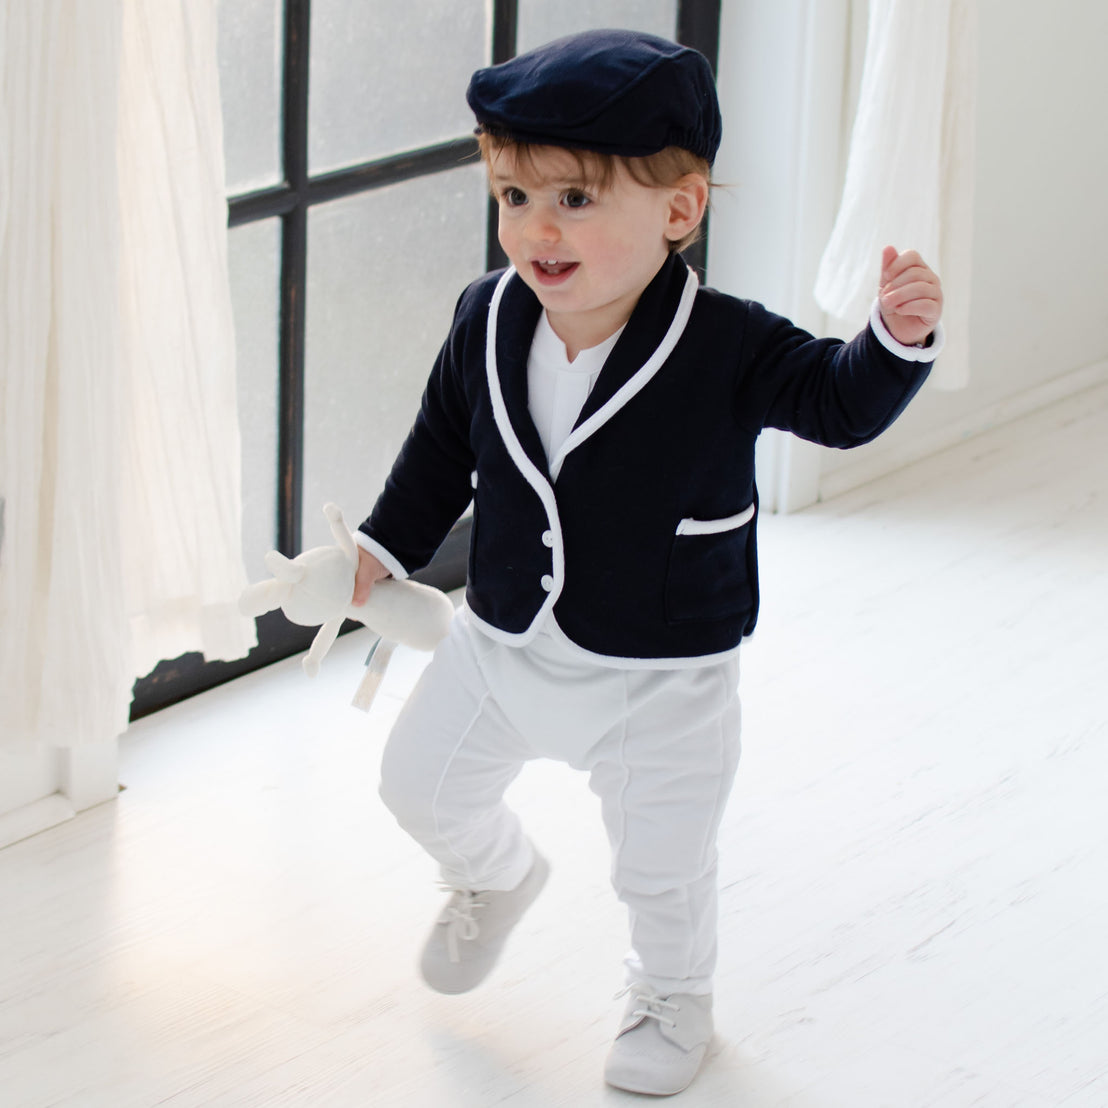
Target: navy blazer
(639, 535)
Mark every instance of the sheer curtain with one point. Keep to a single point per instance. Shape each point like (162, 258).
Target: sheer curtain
(909, 177)
(119, 465)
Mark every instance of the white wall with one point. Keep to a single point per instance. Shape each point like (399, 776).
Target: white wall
(777, 175)
(1039, 307)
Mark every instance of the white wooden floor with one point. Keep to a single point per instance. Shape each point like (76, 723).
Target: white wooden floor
(915, 861)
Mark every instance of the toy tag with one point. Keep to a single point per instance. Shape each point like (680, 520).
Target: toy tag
(377, 662)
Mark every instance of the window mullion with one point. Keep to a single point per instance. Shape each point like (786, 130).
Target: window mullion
(294, 250)
(505, 25)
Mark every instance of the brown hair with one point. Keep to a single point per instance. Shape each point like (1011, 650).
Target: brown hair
(661, 170)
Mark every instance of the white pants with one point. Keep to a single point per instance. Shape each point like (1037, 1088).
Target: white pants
(660, 747)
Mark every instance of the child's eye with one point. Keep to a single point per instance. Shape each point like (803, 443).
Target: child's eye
(513, 197)
(575, 198)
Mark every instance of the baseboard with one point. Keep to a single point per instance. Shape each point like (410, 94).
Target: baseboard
(39, 815)
(869, 468)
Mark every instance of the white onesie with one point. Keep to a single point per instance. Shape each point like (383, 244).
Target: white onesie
(660, 746)
(558, 388)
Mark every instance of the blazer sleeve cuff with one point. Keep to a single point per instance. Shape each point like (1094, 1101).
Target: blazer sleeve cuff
(926, 353)
(372, 546)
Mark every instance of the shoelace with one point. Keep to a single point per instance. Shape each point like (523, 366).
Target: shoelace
(460, 922)
(649, 1005)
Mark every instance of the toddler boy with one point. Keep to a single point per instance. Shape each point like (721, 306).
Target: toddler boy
(600, 410)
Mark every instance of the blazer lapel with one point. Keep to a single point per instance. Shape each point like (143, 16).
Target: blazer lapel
(517, 318)
(654, 329)
(646, 328)
(655, 326)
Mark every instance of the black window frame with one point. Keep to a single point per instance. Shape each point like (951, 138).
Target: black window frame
(176, 679)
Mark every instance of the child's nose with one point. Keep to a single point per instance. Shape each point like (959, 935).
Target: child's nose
(543, 227)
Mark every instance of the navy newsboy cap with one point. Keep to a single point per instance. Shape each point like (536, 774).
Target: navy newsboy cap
(615, 92)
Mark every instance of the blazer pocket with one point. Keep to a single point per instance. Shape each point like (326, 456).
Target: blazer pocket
(707, 577)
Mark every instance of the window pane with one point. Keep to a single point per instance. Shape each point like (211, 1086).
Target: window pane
(254, 252)
(250, 44)
(541, 21)
(385, 269)
(390, 76)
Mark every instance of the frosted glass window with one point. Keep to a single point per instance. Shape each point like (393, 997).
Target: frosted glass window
(385, 269)
(254, 252)
(541, 21)
(391, 75)
(251, 39)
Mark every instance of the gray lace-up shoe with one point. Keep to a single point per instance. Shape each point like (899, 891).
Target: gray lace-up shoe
(470, 933)
(661, 1043)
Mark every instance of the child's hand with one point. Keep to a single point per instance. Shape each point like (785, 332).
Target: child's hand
(911, 296)
(370, 571)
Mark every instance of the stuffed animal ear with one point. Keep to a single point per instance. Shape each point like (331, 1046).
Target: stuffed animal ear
(282, 568)
(263, 597)
(341, 532)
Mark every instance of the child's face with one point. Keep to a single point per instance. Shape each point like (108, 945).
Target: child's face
(586, 253)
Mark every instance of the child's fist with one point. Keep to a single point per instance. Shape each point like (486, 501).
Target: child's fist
(369, 572)
(911, 296)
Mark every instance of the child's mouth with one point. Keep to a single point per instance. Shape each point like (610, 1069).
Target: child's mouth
(550, 270)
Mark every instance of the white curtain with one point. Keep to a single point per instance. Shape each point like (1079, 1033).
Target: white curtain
(909, 178)
(119, 465)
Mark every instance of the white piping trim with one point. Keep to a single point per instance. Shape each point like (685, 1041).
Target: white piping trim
(531, 473)
(388, 560)
(715, 526)
(638, 382)
(606, 661)
(618, 661)
(498, 634)
(907, 353)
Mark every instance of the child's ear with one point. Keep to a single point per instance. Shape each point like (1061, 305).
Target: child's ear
(686, 206)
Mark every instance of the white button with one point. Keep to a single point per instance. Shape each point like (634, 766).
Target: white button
(547, 582)
(548, 538)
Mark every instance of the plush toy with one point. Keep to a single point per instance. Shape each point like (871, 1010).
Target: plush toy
(315, 588)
